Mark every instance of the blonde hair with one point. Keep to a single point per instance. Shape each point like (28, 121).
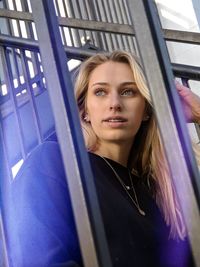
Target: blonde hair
(147, 158)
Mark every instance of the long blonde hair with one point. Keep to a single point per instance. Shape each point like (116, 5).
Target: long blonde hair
(147, 158)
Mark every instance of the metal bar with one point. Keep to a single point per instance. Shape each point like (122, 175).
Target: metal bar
(72, 52)
(5, 6)
(31, 97)
(73, 22)
(109, 18)
(16, 66)
(5, 167)
(114, 19)
(182, 36)
(6, 178)
(93, 16)
(30, 35)
(87, 9)
(186, 71)
(6, 105)
(125, 29)
(69, 30)
(126, 20)
(103, 15)
(37, 69)
(118, 38)
(82, 13)
(180, 70)
(17, 21)
(77, 167)
(124, 38)
(169, 115)
(77, 13)
(13, 14)
(119, 16)
(129, 21)
(24, 5)
(98, 18)
(61, 28)
(3, 170)
(65, 8)
(8, 40)
(29, 30)
(75, 32)
(14, 4)
(2, 240)
(9, 83)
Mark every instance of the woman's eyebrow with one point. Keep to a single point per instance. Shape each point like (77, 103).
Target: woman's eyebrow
(100, 83)
(121, 84)
(128, 83)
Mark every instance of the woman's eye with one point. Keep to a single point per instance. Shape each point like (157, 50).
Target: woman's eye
(128, 92)
(100, 92)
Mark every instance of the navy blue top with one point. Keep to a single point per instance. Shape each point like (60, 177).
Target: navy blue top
(41, 225)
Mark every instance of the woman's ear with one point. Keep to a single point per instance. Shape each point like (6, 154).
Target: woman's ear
(86, 117)
(147, 112)
(146, 117)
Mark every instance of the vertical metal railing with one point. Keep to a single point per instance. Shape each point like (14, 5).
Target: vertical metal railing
(169, 115)
(3, 250)
(4, 171)
(9, 82)
(78, 172)
(29, 89)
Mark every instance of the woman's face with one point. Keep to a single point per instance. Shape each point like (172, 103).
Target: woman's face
(114, 105)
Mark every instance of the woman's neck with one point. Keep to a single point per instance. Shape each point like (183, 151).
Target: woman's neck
(116, 152)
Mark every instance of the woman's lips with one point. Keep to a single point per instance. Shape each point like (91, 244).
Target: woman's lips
(115, 121)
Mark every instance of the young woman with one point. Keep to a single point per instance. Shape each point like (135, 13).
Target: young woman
(120, 130)
(142, 217)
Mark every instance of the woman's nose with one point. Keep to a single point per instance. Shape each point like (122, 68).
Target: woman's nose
(115, 102)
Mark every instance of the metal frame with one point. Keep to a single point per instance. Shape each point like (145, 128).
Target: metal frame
(9, 43)
(173, 129)
(11, 103)
(3, 197)
(9, 82)
(77, 167)
(125, 29)
(96, 254)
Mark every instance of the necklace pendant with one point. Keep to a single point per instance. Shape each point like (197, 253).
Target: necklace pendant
(141, 212)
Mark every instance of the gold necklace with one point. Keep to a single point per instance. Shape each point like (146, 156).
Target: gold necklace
(135, 202)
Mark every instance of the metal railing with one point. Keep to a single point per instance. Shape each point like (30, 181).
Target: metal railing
(85, 29)
(183, 167)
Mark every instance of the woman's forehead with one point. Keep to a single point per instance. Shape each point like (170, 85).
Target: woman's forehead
(111, 71)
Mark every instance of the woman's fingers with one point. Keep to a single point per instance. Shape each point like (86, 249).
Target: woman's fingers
(190, 101)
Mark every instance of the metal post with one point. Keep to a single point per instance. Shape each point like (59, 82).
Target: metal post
(78, 171)
(169, 115)
(5, 172)
(3, 251)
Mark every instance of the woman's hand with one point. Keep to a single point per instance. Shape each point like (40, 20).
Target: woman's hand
(191, 103)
